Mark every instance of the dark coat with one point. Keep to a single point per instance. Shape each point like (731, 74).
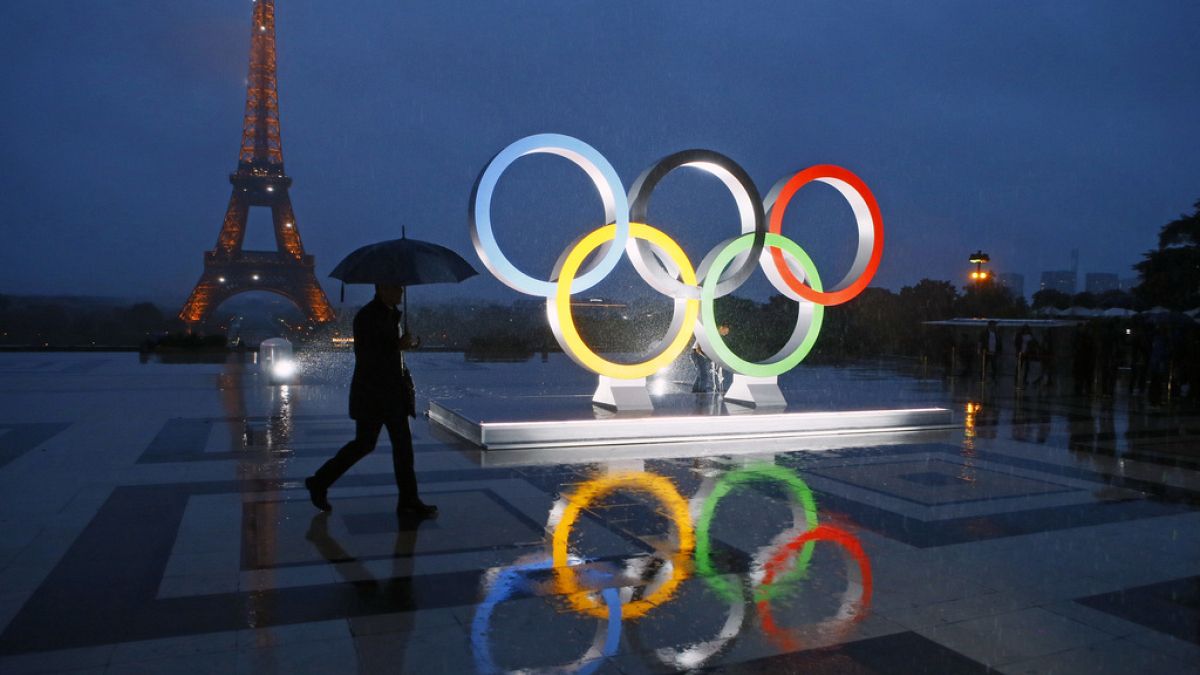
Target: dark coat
(378, 389)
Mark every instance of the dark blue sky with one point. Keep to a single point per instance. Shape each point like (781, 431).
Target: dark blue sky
(1026, 129)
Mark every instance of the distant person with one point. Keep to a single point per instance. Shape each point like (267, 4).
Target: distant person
(703, 366)
(1160, 363)
(1045, 355)
(989, 349)
(1106, 360)
(1140, 338)
(710, 376)
(964, 355)
(1025, 346)
(1189, 361)
(1033, 360)
(1083, 360)
(380, 396)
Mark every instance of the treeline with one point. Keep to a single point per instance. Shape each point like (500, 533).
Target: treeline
(1106, 300)
(63, 323)
(878, 322)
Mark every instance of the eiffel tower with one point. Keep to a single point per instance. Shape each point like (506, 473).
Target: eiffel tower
(259, 182)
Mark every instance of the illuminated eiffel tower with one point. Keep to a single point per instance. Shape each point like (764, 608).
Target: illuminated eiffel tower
(259, 182)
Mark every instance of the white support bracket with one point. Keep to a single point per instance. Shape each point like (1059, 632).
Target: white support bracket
(622, 395)
(755, 392)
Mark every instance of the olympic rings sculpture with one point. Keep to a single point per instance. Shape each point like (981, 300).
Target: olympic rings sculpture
(661, 262)
(610, 598)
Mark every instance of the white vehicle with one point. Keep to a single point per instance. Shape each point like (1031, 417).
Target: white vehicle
(276, 361)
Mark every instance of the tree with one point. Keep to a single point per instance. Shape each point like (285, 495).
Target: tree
(929, 300)
(143, 317)
(1084, 299)
(1170, 274)
(991, 300)
(1115, 298)
(1048, 297)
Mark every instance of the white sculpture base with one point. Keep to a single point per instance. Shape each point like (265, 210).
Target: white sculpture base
(755, 392)
(512, 426)
(622, 395)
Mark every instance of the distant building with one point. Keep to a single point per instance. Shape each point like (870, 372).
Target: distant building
(1100, 282)
(1014, 282)
(1128, 284)
(1059, 280)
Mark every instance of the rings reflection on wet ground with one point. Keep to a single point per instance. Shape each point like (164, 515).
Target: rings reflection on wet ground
(156, 522)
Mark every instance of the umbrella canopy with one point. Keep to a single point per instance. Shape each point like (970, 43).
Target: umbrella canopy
(1119, 312)
(403, 262)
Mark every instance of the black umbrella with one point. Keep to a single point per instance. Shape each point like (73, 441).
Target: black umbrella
(403, 262)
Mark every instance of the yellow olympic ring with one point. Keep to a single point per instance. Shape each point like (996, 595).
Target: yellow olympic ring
(657, 486)
(578, 349)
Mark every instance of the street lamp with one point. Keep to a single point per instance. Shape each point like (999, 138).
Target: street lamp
(979, 259)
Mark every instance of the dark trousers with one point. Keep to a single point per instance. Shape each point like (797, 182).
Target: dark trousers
(366, 433)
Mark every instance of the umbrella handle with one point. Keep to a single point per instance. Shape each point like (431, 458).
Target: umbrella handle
(406, 333)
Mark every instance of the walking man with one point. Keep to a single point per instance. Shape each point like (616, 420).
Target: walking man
(989, 349)
(380, 396)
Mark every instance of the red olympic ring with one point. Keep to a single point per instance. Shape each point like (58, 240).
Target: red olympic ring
(843, 292)
(787, 551)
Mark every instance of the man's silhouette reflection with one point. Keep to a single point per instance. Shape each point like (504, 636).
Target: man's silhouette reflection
(393, 594)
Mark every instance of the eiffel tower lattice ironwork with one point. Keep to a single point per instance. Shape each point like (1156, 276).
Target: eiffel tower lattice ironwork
(259, 182)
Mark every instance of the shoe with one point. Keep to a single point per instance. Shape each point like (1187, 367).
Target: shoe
(416, 508)
(317, 494)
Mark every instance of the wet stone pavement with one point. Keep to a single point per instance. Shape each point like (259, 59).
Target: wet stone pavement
(155, 521)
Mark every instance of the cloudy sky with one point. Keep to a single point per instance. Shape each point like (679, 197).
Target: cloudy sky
(1025, 129)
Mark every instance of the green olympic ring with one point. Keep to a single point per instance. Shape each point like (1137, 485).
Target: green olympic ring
(804, 335)
(801, 495)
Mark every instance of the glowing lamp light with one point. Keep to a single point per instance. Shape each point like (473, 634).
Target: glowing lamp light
(270, 188)
(284, 369)
(221, 280)
(979, 259)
